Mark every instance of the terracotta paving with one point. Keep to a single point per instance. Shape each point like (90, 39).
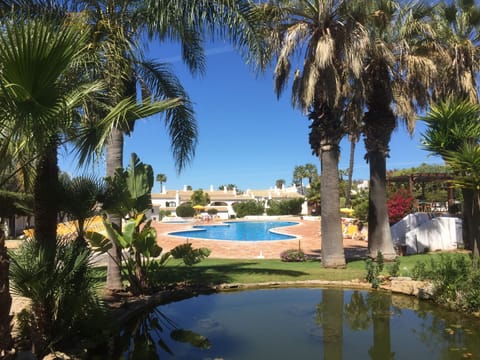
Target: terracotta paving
(307, 232)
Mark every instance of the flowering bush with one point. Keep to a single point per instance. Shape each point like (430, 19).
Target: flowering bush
(293, 255)
(399, 205)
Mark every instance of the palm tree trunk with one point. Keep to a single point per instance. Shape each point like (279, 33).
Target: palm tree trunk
(353, 143)
(6, 342)
(475, 226)
(45, 207)
(467, 212)
(114, 151)
(379, 235)
(333, 255)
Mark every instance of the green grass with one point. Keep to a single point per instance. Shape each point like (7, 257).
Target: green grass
(219, 271)
(227, 271)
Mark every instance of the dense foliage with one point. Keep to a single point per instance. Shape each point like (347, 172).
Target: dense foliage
(399, 205)
(285, 207)
(250, 207)
(64, 305)
(456, 280)
(185, 210)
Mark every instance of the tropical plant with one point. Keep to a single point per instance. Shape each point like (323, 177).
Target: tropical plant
(450, 125)
(397, 72)
(323, 44)
(81, 199)
(119, 32)
(39, 104)
(64, 302)
(139, 248)
(129, 196)
(465, 162)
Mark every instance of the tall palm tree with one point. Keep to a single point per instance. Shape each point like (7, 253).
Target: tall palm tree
(298, 175)
(457, 35)
(38, 104)
(161, 178)
(397, 76)
(37, 107)
(120, 29)
(353, 116)
(324, 44)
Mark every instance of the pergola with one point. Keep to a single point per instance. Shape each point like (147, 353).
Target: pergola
(422, 179)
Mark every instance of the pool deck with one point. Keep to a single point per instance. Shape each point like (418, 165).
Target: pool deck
(307, 231)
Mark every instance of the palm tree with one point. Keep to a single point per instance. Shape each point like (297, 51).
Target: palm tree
(161, 178)
(324, 44)
(298, 174)
(396, 72)
(80, 200)
(120, 29)
(452, 124)
(465, 162)
(457, 35)
(38, 104)
(353, 114)
(457, 25)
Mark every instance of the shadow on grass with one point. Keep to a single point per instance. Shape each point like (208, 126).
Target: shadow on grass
(218, 274)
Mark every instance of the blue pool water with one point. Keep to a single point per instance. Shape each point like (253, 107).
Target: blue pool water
(242, 230)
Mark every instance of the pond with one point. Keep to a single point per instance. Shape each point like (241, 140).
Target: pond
(302, 323)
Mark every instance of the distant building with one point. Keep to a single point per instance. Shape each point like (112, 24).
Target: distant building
(363, 186)
(221, 200)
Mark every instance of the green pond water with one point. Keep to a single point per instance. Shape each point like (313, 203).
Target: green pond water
(301, 323)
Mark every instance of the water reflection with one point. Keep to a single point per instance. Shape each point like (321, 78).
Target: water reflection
(302, 324)
(145, 337)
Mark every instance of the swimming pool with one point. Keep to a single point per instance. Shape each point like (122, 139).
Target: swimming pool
(241, 230)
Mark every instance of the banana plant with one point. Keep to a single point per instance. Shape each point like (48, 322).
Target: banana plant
(129, 195)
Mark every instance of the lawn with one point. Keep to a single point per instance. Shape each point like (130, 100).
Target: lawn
(228, 271)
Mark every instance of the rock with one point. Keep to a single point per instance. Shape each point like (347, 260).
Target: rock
(408, 286)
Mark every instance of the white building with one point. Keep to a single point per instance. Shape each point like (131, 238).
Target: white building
(221, 200)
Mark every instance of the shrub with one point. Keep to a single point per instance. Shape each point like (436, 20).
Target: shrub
(63, 293)
(374, 268)
(456, 281)
(185, 210)
(250, 207)
(293, 255)
(212, 212)
(360, 206)
(394, 269)
(399, 205)
(285, 207)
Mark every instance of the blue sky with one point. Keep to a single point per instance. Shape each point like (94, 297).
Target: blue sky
(246, 136)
